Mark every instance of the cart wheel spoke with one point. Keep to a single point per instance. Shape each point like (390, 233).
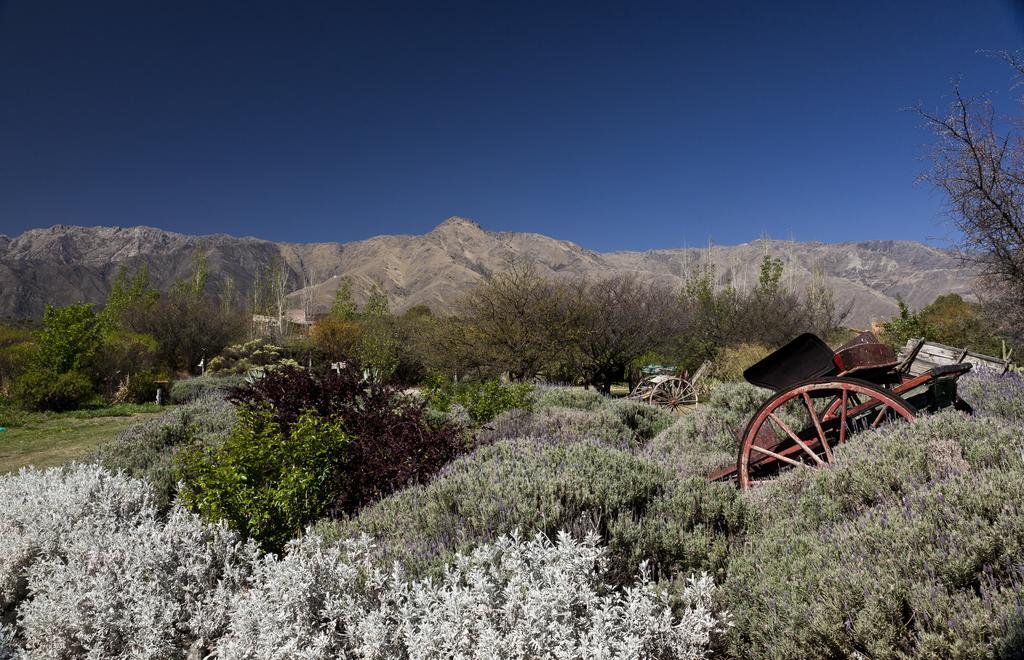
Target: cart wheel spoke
(803, 445)
(817, 426)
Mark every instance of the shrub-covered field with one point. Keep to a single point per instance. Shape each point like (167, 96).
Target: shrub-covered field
(580, 526)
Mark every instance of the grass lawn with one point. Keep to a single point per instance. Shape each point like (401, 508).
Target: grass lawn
(50, 439)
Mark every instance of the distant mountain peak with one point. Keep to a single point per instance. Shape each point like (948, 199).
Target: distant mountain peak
(457, 221)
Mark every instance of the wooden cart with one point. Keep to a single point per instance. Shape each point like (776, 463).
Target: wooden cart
(670, 390)
(821, 399)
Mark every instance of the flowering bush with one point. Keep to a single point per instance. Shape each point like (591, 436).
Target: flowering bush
(184, 391)
(557, 425)
(706, 438)
(990, 393)
(528, 484)
(257, 355)
(643, 419)
(508, 599)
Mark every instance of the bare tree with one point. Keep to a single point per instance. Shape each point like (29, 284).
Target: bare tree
(514, 322)
(978, 161)
(617, 320)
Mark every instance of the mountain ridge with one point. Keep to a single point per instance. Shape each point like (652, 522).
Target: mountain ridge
(67, 263)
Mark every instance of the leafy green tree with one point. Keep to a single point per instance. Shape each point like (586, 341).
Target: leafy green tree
(379, 345)
(344, 307)
(905, 325)
(69, 339)
(126, 293)
(264, 483)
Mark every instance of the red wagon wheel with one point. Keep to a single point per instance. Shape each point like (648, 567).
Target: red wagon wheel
(829, 412)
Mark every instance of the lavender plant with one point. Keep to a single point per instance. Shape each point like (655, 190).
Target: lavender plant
(146, 450)
(530, 484)
(908, 546)
(991, 393)
(567, 397)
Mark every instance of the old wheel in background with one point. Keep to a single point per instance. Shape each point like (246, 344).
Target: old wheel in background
(801, 425)
(673, 393)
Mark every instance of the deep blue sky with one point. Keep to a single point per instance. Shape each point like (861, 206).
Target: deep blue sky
(630, 125)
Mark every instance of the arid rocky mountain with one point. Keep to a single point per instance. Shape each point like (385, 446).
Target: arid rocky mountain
(65, 264)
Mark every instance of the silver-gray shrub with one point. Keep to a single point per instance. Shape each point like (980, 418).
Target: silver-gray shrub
(90, 569)
(146, 450)
(512, 598)
(909, 546)
(547, 396)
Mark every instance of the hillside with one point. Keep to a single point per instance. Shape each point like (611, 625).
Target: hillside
(64, 264)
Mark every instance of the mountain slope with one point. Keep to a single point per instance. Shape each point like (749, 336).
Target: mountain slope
(65, 264)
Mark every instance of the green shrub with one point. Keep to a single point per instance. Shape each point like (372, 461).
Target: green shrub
(481, 401)
(183, 391)
(146, 450)
(528, 485)
(693, 526)
(909, 546)
(42, 389)
(568, 397)
(264, 483)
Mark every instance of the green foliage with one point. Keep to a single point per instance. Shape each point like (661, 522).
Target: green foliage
(146, 450)
(770, 276)
(264, 483)
(906, 325)
(344, 306)
(949, 320)
(481, 401)
(124, 294)
(694, 525)
(42, 389)
(731, 361)
(16, 350)
(643, 419)
(69, 339)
